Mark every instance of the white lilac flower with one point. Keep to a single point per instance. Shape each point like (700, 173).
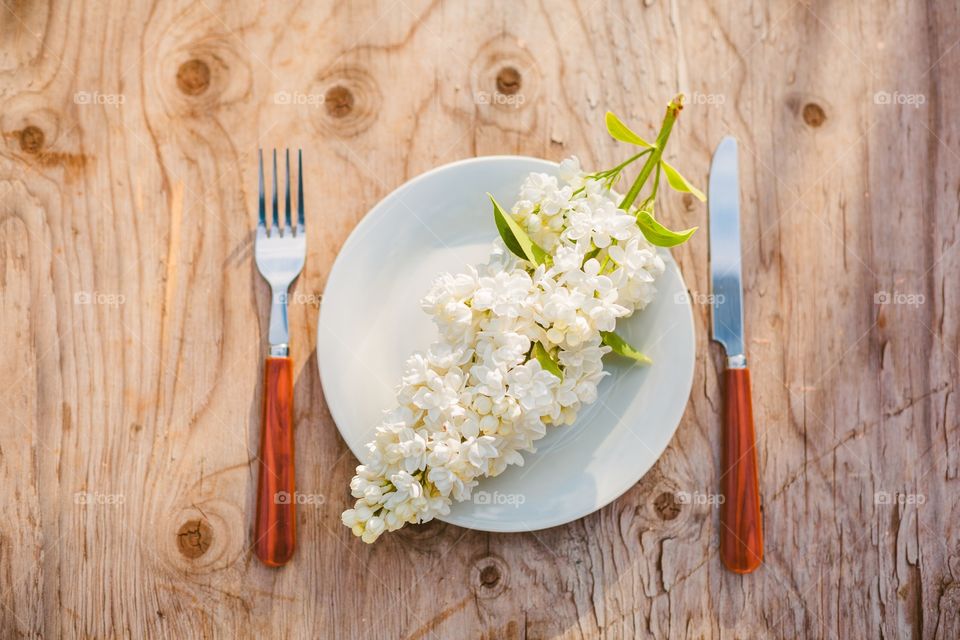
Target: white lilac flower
(545, 191)
(571, 173)
(505, 294)
(477, 398)
(560, 306)
(439, 395)
(532, 387)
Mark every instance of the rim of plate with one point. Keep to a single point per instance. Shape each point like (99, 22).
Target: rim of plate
(378, 211)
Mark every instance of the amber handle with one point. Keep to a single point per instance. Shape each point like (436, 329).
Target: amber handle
(276, 527)
(741, 527)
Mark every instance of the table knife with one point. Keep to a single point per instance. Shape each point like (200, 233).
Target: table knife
(741, 526)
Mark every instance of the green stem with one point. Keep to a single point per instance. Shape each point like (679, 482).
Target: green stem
(620, 167)
(653, 194)
(673, 111)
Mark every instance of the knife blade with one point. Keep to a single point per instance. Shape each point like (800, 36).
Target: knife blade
(741, 527)
(725, 258)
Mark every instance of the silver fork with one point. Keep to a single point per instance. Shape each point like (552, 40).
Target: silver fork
(280, 252)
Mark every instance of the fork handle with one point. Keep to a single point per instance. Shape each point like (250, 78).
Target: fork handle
(276, 530)
(741, 526)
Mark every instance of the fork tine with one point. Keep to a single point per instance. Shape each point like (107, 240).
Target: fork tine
(263, 202)
(276, 205)
(301, 224)
(288, 226)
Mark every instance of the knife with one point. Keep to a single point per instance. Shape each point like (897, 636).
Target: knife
(741, 527)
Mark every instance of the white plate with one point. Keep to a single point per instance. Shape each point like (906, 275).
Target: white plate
(370, 322)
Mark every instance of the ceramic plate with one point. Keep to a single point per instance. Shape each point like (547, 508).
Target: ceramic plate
(370, 322)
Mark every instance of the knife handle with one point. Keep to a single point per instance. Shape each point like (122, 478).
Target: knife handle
(741, 526)
(275, 533)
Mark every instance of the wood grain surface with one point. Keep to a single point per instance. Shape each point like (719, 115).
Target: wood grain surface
(134, 322)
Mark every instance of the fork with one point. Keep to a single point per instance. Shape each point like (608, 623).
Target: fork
(280, 253)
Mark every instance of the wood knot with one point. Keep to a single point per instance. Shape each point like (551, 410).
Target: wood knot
(688, 201)
(31, 139)
(667, 506)
(351, 101)
(489, 576)
(509, 81)
(194, 538)
(339, 101)
(193, 77)
(505, 82)
(813, 114)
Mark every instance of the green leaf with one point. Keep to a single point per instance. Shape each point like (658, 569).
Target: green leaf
(622, 132)
(546, 361)
(623, 348)
(679, 183)
(659, 235)
(515, 237)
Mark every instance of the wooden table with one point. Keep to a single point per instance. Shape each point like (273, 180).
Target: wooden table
(134, 321)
